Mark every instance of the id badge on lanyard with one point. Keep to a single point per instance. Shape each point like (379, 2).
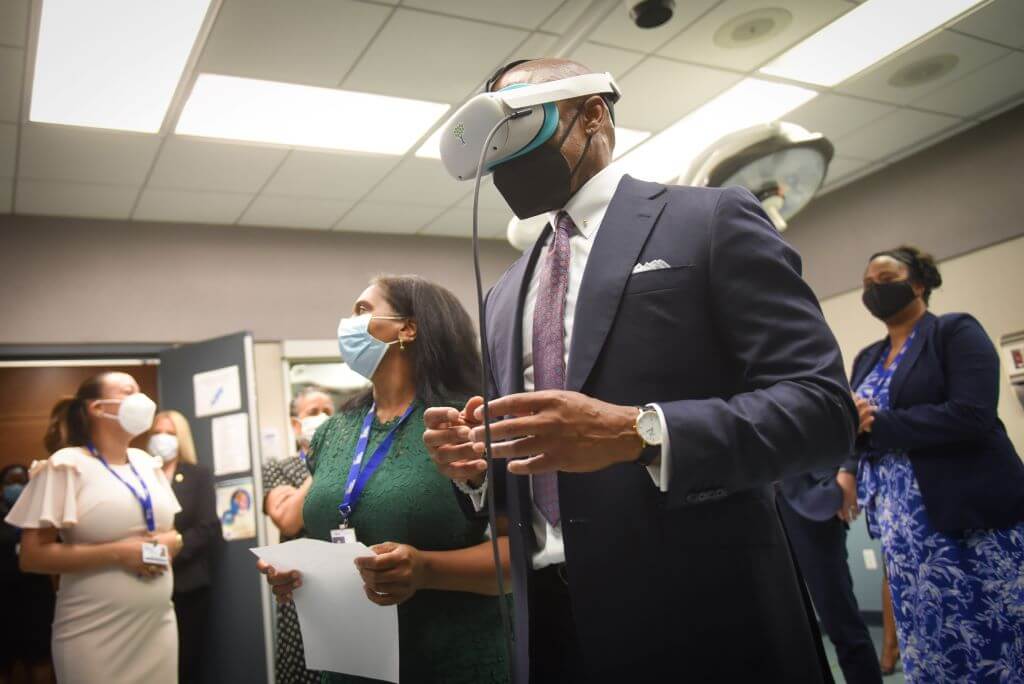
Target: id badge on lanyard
(359, 473)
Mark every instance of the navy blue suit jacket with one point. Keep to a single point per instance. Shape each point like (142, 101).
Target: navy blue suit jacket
(730, 341)
(943, 401)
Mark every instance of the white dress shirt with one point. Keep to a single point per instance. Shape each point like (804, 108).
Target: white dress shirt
(587, 209)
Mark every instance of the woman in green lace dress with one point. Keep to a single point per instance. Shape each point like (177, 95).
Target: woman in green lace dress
(432, 561)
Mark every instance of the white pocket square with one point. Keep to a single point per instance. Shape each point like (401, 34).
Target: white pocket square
(656, 265)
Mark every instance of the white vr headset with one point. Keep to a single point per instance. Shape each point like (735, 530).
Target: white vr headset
(536, 119)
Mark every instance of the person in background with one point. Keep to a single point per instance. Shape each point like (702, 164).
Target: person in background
(28, 598)
(101, 515)
(816, 509)
(171, 441)
(415, 342)
(939, 480)
(286, 482)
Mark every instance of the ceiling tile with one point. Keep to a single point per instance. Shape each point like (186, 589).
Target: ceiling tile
(187, 164)
(874, 83)
(603, 58)
(527, 14)
(458, 222)
(893, 133)
(314, 42)
(13, 22)
(329, 175)
(74, 199)
(419, 181)
(536, 46)
(841, 167)
(85, 155)
(792, 21)
(565, 18)
(619, 30)
(10, 83)
(837, 115)
(376, 217)
(8, 149)
(294, 212)
(190, 207)
(676, 88)
(490, 198)
(6, 195)
(990, 85)
(433, 58)
(1002, 22)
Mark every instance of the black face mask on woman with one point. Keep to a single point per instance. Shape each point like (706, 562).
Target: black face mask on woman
(540, 180)
(886, 299)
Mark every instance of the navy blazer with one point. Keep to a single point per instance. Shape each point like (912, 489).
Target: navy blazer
(816, 495)
(943, 400)
(731, 342)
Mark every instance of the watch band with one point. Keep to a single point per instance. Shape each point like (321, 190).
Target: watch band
(649, 454)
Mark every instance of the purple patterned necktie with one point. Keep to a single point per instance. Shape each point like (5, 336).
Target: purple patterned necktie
(549, 345)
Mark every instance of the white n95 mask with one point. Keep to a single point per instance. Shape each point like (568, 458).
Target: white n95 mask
(135, 413)
(163, 445)
(360, 350)
(310, 424)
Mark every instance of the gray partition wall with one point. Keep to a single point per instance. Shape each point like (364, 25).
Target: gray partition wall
(238, 649)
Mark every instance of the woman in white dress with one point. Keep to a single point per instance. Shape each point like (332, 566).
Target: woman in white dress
(89, 513)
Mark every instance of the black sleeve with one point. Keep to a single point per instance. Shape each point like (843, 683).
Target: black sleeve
(795, 413)
(205, 535)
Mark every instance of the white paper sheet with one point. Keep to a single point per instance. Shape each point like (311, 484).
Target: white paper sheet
(342, 630)
(231, 444)
(217, 391)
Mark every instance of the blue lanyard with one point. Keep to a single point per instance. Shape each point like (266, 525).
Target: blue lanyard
(302, 457)
(885, 374)
(359, 473)
(145, 499)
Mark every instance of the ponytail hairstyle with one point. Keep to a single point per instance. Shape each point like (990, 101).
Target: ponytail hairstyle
(69, 419)
(921, 265)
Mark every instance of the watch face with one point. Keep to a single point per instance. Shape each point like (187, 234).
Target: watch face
(649, 427)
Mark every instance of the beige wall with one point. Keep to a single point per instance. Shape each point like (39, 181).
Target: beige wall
(76, 280)
(986, 284)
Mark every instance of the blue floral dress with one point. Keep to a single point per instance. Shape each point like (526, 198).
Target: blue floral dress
(958, 600)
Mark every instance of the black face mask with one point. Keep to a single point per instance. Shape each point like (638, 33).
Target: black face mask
(884, 300)
(539, 181)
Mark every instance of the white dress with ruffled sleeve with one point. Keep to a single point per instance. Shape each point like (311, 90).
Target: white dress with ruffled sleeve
(109, 625)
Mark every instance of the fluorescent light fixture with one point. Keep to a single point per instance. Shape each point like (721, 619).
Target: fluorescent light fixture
(431, 147)
(863, 36)
(112, 63)
(750, 102)
(247, 109)
(625, 140)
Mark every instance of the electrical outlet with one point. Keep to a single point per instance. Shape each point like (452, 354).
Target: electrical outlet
(870, 560)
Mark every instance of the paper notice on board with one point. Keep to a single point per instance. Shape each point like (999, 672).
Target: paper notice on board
(342, 630)
(217, 391)
(236, 508)
(231, 444)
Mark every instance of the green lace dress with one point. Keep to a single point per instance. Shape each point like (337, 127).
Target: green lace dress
(444, 636)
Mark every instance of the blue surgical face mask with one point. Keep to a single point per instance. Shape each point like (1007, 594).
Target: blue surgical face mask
(360, 350)
(12, 492)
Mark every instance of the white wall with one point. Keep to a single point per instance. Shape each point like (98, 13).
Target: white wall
(987, 284)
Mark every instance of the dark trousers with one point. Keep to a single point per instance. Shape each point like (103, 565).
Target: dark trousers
(820, 550)
(192, 609)
(555, 654)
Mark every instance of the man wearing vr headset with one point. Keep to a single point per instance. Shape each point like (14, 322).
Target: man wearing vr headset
(659, 362)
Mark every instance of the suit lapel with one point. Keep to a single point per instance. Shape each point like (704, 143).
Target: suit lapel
(505, 320)
(924, 329)
(631, 215)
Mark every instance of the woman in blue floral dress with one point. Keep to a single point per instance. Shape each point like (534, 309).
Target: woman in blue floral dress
(942, 485)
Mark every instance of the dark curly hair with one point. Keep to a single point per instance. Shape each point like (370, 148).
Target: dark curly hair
(923, 269)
